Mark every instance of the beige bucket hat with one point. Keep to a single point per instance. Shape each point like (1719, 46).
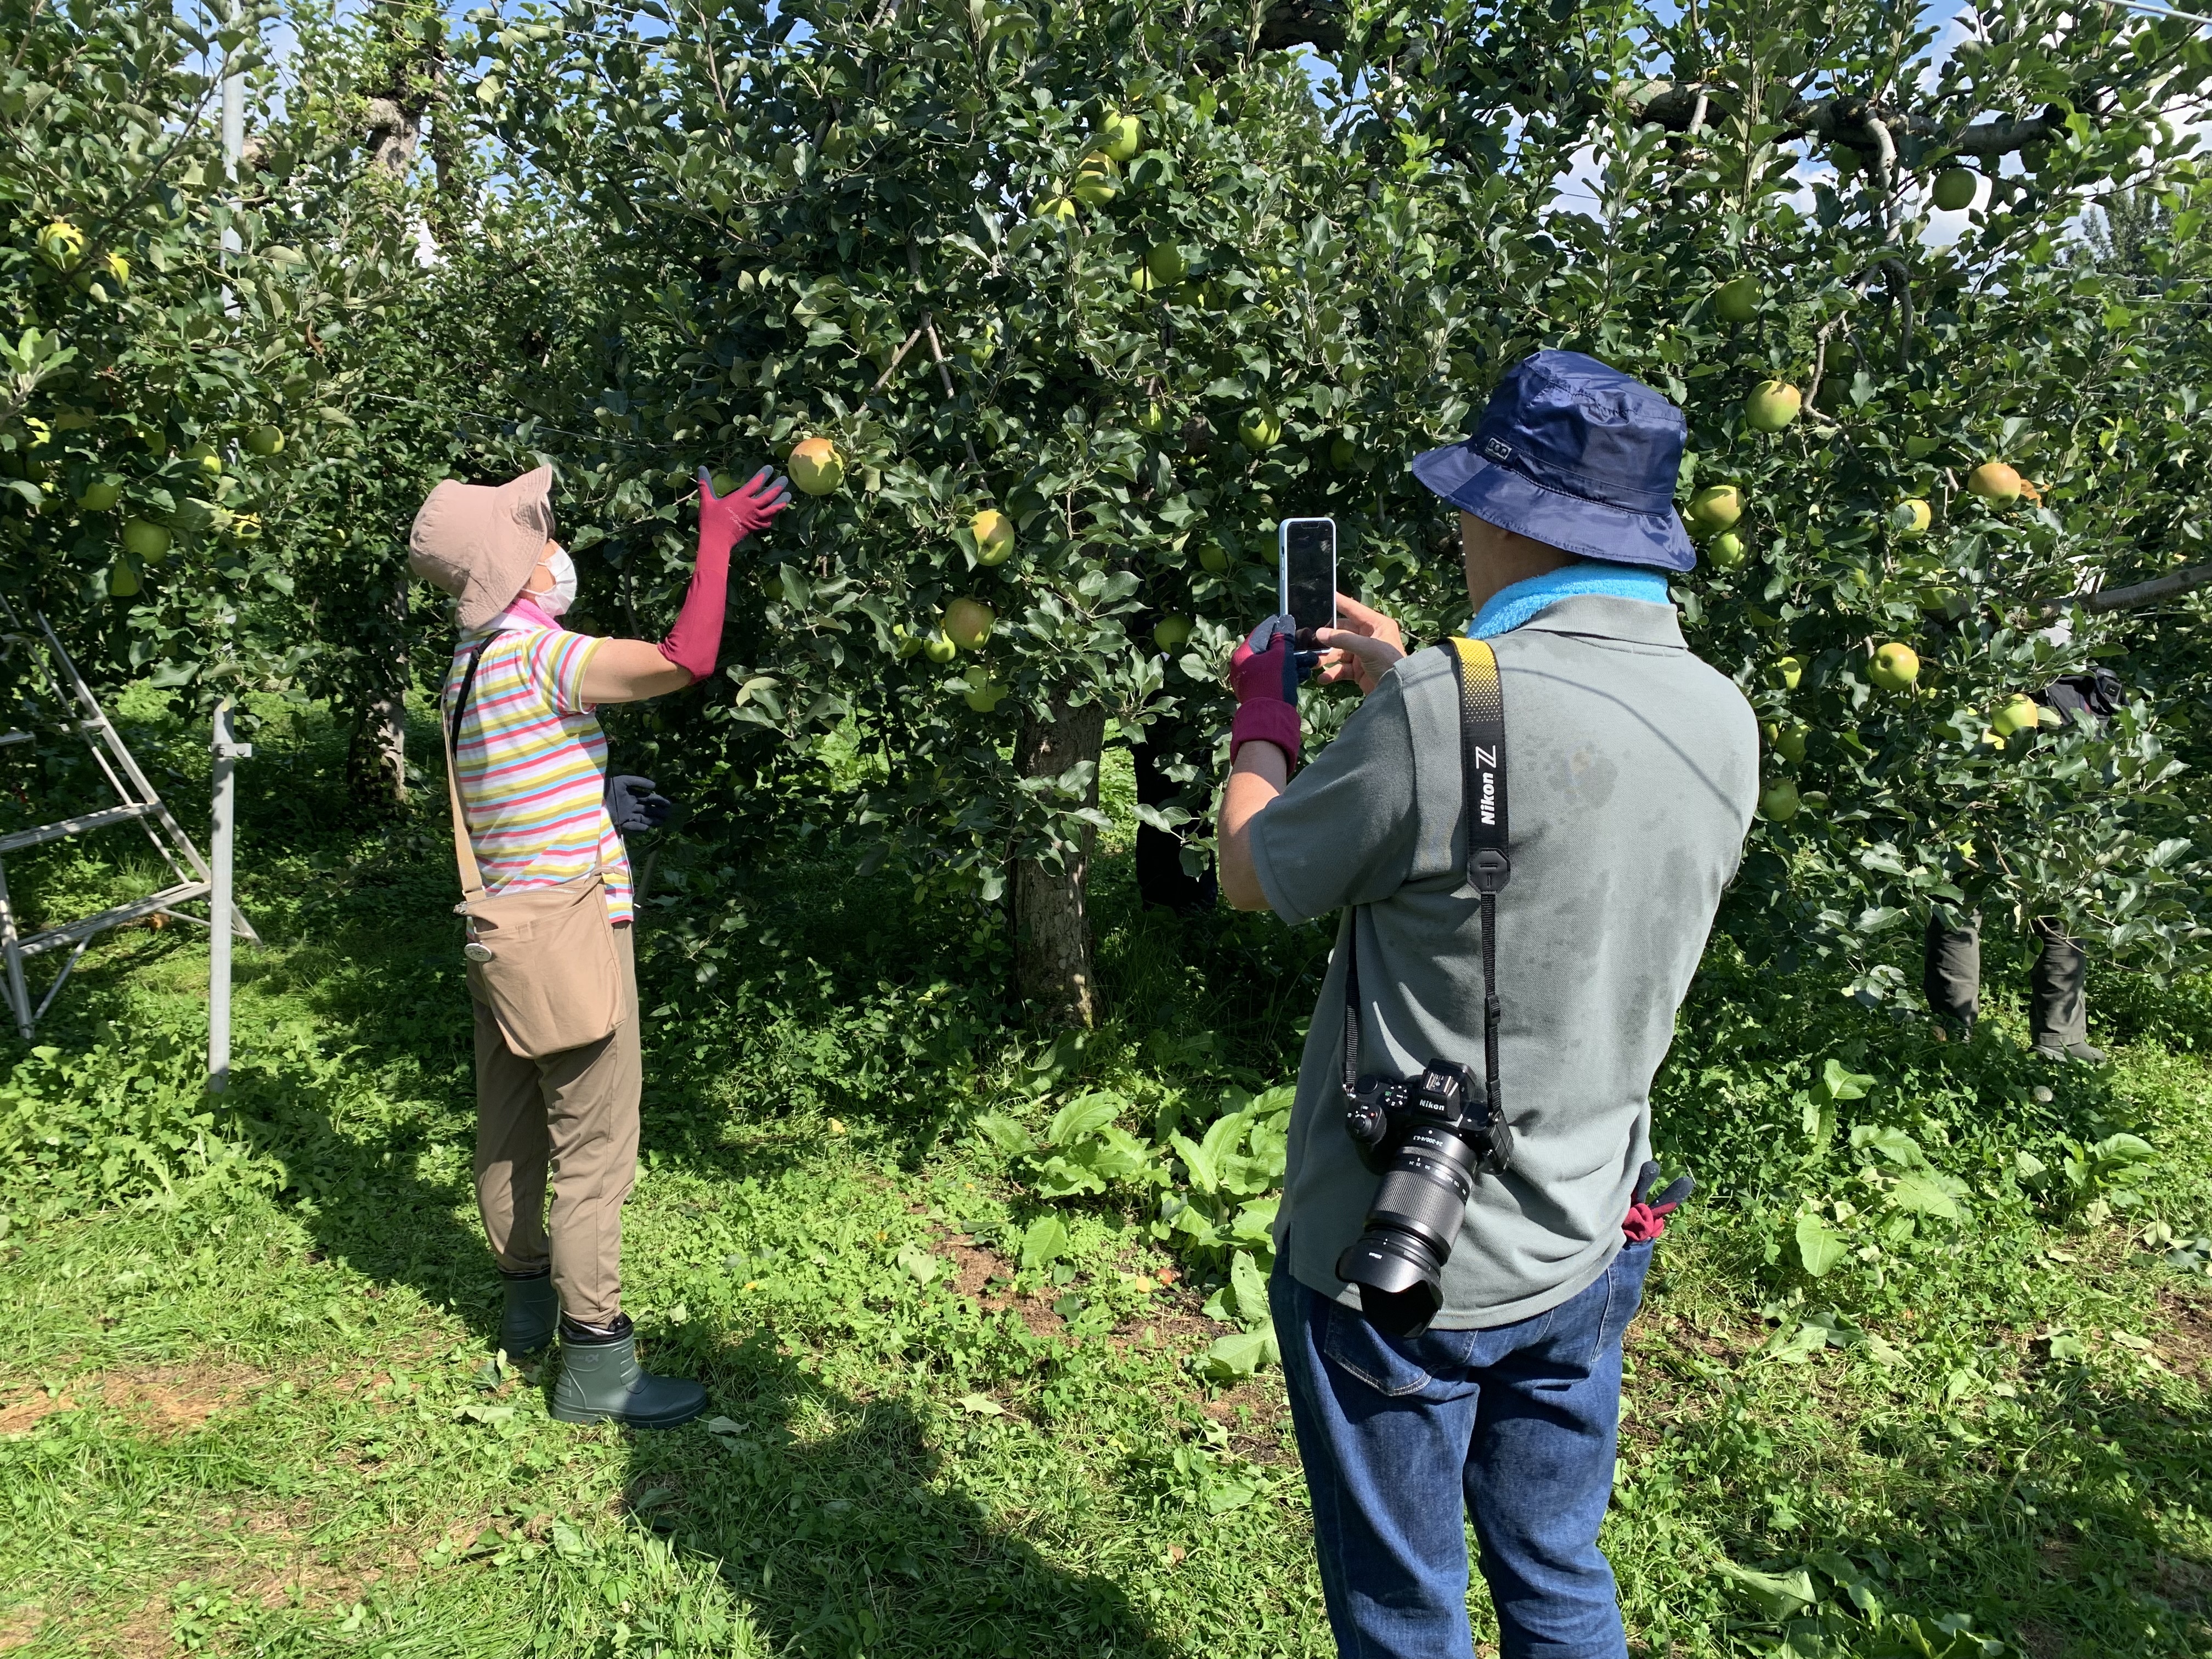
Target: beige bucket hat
(480, 542)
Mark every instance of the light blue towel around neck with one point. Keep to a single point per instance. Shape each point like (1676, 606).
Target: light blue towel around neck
(1509, 607)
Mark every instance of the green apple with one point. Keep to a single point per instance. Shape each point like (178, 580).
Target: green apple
(144, 540)
(1736, 301)
(123, 580)
(1152, 419)
(1123, 136)
(1790, 743)
(967, 624)
(1164, 261)
(1911, 517)
(1170, 632)
(1725, 551)
(1778, 801)
(1258, 430)
(1772, 406)
(264, 440)
(1094, 183)
(1787, 671)
(99, 495)
(939, 649)
(1715, 508)
(814, 467)
(2021, 713)
(1213, 559)
(995, 536)
(1995, 481)
(1954, 189)
(210, 461)
(63, 245)
(1894, 666)
(1056, 207)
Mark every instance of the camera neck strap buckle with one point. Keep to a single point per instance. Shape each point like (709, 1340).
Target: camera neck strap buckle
(1489, 868)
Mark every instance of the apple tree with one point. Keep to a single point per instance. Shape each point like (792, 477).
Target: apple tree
(1060, 312)
(1134, 283)
(166, 322)
(1927, 413)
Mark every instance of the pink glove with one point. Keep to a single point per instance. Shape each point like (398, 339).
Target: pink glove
(1267, 687)
(724, 522)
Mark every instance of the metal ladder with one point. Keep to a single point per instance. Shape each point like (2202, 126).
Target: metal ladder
(137, 803)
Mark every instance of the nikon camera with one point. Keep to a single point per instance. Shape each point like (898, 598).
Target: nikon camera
(1428, 1137)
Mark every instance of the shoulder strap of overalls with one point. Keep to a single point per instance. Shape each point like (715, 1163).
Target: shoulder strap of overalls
(1482, 763)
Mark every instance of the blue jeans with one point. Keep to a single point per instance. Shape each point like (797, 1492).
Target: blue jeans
(1521, 1418)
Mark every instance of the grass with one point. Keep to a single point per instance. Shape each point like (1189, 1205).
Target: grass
(246, 1403)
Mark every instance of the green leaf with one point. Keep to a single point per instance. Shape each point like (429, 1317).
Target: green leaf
(1819, 1247)
(1045, 1242)
(1084, 1116)
(1838, 1082)
(1778, 1596)
(1238, 1354)
(1250, 1285)
(1006, 1134)
(1919, 1194)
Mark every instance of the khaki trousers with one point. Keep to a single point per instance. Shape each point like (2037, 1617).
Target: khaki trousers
(573, 1115)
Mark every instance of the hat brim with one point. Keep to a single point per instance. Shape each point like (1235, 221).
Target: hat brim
(508, 525)
(1498, 494)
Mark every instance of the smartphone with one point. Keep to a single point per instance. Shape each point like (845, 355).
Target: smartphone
(1306, 585)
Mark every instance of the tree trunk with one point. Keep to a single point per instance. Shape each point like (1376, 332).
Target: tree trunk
(376, 755)
(1052, 938)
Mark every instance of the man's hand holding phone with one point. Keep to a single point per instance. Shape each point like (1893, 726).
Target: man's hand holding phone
(1361, 647)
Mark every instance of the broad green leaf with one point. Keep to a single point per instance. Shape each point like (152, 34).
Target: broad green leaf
(1044, 1242)
(1082, 1116)
(1238, 1354)
(1004, 1134)
(1776, 1596)
(1819, 1247)
(1919, 1194)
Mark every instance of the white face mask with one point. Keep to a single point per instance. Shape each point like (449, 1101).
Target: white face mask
(557, 599)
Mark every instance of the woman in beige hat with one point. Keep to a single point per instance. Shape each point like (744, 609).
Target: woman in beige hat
(547, 885)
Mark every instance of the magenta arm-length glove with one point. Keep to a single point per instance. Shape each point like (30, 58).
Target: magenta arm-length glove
(696, 641)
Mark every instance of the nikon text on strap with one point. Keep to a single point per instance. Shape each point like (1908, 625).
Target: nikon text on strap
(1482, 757)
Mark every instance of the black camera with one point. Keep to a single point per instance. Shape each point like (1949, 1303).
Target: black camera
(1429, 1137)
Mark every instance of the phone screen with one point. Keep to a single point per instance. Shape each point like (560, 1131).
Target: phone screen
(1309, 571)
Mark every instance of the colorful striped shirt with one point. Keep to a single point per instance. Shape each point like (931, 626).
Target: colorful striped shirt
(531, 763)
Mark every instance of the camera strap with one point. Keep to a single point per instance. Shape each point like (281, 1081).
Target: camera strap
(1482, 762)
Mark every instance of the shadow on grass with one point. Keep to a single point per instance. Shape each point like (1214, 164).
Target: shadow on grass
(831, 1519)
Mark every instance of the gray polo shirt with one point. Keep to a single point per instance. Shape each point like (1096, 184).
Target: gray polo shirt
(1631, 772)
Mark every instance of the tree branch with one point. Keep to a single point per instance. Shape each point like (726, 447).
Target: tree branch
(1850, 121)
(2138, 594)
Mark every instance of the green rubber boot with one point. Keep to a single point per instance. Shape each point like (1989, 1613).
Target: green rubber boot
(601, 1381)
(525, 1324)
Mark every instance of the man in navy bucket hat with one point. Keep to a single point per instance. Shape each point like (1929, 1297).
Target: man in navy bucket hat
(1453, 1346)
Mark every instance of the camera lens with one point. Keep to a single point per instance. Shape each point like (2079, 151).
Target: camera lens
(1398, 1261)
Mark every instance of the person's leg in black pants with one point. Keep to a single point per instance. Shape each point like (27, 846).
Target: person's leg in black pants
(1951, 969)
(1161, 879)
(2058, 1012)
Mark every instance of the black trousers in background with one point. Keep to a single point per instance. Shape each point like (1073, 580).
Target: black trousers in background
(2057, 1013)
(1161, 878)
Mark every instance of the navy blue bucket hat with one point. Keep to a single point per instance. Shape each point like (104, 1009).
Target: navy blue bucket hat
(1573, 452)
